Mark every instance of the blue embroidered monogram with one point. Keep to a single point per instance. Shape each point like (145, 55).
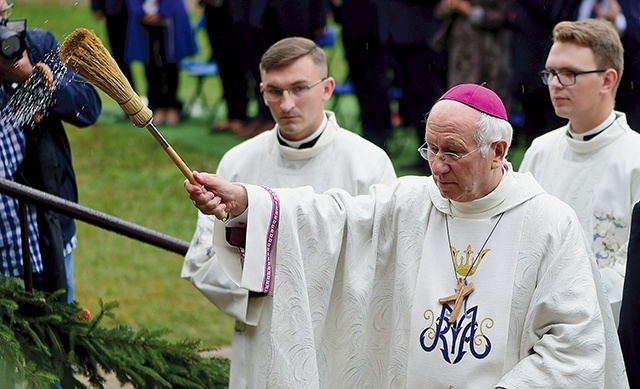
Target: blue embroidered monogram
(475, 337)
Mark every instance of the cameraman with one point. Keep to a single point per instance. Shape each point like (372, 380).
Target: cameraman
(37, 153)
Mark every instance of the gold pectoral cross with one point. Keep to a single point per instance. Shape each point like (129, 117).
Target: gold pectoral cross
(458, 298)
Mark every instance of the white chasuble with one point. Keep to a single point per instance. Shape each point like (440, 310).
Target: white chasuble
(470, 353)
(354, 277)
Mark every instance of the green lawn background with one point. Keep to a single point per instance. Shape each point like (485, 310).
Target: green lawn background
(122, 171)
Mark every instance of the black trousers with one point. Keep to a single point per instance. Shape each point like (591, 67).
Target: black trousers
(117, 34)
(162, 76)
(421, 74)
(226, 43)
(368, 64)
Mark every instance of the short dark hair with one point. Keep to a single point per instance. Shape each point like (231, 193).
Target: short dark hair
(289, 50)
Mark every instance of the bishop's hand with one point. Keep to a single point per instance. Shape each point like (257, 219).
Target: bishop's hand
(216, 196)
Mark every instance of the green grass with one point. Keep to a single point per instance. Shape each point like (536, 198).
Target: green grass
(122, 171)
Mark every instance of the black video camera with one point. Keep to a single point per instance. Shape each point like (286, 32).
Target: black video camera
(12, 38)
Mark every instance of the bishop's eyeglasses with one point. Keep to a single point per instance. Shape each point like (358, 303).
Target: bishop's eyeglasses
(445, 156)
(274, 95)
(565, 78)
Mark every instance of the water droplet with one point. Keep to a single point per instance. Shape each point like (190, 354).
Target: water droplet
(35, 95)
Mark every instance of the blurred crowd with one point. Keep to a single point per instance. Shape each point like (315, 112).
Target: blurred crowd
(416, 48)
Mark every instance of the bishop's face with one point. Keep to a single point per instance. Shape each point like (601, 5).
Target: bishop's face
(450, 129)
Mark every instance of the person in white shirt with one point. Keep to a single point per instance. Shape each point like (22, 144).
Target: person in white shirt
(473, 277)
(592, 162)
(307, 147)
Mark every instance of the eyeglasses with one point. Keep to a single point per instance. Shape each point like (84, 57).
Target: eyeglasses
(6, 11)
(566, 78)
(275, 94)
(445, 156)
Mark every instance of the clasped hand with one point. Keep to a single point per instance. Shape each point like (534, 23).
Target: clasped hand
(216, 196)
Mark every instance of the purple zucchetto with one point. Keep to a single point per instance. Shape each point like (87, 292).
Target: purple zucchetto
(479, 97)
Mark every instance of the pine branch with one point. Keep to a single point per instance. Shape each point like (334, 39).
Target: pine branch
(45, 340)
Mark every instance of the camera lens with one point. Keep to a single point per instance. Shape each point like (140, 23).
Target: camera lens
(11, 44)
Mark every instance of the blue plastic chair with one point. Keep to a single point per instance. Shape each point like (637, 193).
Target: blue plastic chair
(328, 42)
(201, 69)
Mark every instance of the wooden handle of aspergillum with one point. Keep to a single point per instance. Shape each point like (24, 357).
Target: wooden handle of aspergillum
(181, 165)
(176, 158)
(186, 171)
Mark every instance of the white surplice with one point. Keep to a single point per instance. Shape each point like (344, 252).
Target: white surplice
(600, 180)
(357, 280)
(339, 159)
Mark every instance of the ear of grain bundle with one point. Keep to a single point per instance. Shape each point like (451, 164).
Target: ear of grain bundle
(84, 52)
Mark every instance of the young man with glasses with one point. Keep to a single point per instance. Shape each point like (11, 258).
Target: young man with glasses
(591, 163)
(470, 277)
(307, 147)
